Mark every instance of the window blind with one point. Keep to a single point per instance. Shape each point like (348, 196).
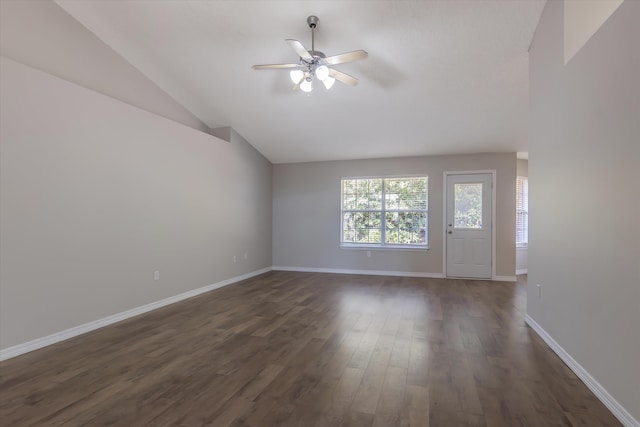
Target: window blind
(522, 211)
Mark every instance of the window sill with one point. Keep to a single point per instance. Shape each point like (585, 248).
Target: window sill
(384, 247)
(522, 246)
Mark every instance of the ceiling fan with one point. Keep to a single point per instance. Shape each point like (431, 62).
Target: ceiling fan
(314, 63)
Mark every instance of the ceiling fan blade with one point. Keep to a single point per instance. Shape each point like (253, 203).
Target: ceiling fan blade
(355, 55)
(300, 50)
(260, 67)
(344, 78)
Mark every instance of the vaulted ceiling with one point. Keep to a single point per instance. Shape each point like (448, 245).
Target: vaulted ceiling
(442, 76)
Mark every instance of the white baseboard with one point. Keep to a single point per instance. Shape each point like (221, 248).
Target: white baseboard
(365, 272)
(38, 343)
(505, 278)
(380, 273)
(601, 393)
(522, 271)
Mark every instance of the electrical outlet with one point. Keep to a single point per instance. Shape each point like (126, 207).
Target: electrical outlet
(368, 254)
(539, 286)
(235, 258)
(156, 275)
(245, 255)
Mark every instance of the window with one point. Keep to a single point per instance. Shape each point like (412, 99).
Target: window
(384, 212)
(467, 205)
(522, 211)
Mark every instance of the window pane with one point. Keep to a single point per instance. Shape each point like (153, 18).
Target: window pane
(468, 205)
(522, 208)
(361, 227)
(406, 193)
(406, 228)
(362, 194)
(348, 194)
(521, 227)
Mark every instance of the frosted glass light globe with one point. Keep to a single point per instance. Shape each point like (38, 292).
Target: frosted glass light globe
(322, 72)
(328, 82)
(296, 76)
(306, 86)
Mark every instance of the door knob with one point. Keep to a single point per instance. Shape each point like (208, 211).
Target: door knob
(450, 231)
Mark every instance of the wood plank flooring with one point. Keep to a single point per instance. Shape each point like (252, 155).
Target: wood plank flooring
(302, 349)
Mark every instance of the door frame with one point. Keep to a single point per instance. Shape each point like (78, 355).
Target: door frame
(493, 217)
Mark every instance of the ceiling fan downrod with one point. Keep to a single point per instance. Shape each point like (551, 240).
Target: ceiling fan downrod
(312, 21)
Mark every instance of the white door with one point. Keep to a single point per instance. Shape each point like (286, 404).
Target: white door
(468, 225)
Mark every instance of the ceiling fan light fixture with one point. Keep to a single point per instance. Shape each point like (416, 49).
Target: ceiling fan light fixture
(306, 86)
(296, 76)
(322, 72)
(315, 64)
(328, 82)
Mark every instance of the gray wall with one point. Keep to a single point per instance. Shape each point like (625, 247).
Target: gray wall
(306, 212)
(42, 35)
(98, 194)
(585, 241)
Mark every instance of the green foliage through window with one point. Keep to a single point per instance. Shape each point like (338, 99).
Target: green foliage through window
(385, 211)
(468, 205)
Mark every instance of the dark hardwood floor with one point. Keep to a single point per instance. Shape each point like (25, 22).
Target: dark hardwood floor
(305, 349)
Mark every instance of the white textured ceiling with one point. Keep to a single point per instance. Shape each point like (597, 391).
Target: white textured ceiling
(442, 76)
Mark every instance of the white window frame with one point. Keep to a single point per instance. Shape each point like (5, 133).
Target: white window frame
(524, 211)
(383, 211)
